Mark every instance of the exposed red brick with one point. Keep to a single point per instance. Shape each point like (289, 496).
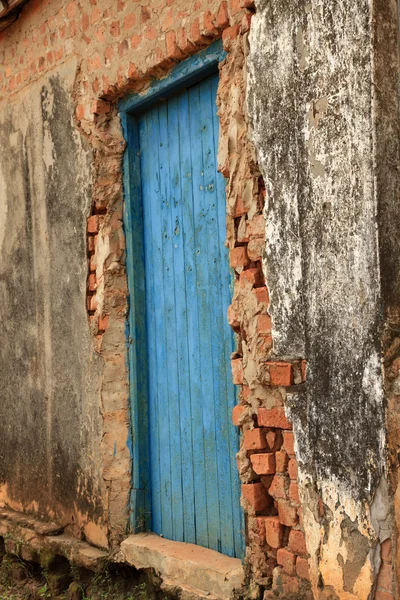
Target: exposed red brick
(92, 243)
(237, 413)
(85, 22)
(196, 36)
(145, 14)
(173, 51)
(103, 323)
(168, 20)
(288, 442)
(386, 550)
(92, 302)
(278, 487)
(271, 439)
(109, 53)
(133, 72)
(287, 513)
(256, 227)
(246, 393)
(297, 542)
(255, 249)
(292, 468)
(136, 41)
(274, 417)
(183, 41)
(246, 22)
(123, 48)
(100, 107)
(92, 264)
(302, 568)
(222, 16)
(273, 532)
(254, 439)
(71, 10)
(287, 560)
(385, 577)
(252, 276)
(281, 461)
(237, 370)
(129, 21)
(93, 224)
(264, 324)
(263, 464)
(238, 257)
(281, 373)
(229, 35)
(80, 112)
(290, 585)
(240, 208)
(262, 295)
(95, 15)
(92, 282)
(233, 317)
(261, 527)
(381, 595)
(256, 495)
(294, 493)
(209, 29)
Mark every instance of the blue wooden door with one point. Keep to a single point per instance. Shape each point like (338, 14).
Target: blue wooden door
(194, 482)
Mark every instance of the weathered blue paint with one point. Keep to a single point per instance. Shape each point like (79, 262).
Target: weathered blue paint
(192, 440)
(183, 75)
(181, 389)
(140, 500)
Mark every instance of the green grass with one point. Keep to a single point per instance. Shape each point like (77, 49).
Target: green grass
(9, 594)
(30, 590)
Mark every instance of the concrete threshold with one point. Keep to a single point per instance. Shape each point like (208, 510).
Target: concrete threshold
(198, 572)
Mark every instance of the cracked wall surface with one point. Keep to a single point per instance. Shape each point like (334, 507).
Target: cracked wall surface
(312, 100)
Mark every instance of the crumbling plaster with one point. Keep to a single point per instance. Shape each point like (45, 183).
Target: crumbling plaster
(49, 376)
(119, 49)
(314, 111)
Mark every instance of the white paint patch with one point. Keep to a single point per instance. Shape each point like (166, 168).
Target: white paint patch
(329, 548)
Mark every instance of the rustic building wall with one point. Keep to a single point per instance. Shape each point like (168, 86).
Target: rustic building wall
(299, 221)
(119, 47)
(49, 374)
(324, 108)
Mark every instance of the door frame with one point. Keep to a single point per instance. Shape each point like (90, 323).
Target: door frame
(186, 73)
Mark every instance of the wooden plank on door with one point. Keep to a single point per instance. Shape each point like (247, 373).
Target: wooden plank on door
(195, 488)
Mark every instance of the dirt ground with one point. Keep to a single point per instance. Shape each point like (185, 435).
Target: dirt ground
(20, 580)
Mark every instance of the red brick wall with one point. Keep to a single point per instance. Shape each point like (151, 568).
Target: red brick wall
(266, 461)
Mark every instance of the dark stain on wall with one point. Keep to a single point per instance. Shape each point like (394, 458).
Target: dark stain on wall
(310, 92)
(49, 403)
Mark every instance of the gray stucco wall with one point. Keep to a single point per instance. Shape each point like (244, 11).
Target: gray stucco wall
(323, 110)
(50, 422)
(315, 141)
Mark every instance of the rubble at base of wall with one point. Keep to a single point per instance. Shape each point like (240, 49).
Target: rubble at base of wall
(42, 560)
